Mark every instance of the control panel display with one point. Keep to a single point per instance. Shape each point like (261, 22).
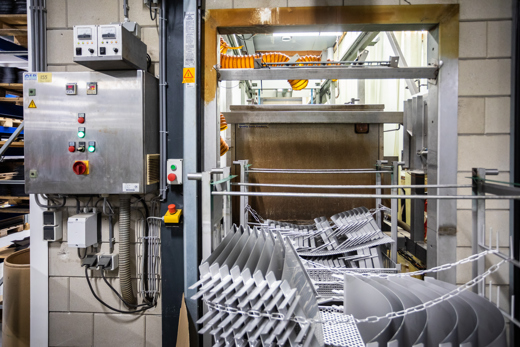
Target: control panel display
(85, 41)
(108, 33)
(71, 89)
(91, 88)
(109, 40)
(84, 34)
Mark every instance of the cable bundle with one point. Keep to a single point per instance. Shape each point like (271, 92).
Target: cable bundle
(224, 46)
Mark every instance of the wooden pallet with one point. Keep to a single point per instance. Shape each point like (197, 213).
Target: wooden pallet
(17, 144)
(10, 122)
(10, 230)
(14, 25)
(17, 101)
(11, 88)
(7, 175)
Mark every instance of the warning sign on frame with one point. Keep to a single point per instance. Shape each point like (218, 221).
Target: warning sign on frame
(188, 75)
(32, 104)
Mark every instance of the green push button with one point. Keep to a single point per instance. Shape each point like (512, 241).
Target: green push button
(173, 167)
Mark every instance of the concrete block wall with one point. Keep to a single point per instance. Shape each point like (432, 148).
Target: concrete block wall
(75, 317)
(484, 123)
(484, 106)
(63, 15)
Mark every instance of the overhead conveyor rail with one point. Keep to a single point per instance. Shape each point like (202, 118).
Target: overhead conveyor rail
(325, 70)
(326, 114)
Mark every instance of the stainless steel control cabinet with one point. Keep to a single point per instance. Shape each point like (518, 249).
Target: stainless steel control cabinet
(116, 112)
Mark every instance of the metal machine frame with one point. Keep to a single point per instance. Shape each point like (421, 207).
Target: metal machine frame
(440, 20)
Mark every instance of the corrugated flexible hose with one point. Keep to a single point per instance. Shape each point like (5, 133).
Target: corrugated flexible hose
(247, 62)
(125, 274)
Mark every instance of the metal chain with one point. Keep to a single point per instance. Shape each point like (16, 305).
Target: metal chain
(440, 268)
(370, 319)
(255, 214)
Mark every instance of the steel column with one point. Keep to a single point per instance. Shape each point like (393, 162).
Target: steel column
(478, 213)
(393, 205)
(174, 259)
(442, 144)
(244, 178)
(417, 211)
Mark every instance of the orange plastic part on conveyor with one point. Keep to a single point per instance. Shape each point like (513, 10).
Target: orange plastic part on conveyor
(223, 147)
(248, 62)
(223, 123)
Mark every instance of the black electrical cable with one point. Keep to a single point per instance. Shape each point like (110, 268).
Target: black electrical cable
(104, 303)
(155, 11)
(148, 61)
(119, 295)
(37, 199)
(84, 255)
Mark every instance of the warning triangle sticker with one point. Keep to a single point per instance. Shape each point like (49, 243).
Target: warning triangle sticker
(32, 104)
(188, 74)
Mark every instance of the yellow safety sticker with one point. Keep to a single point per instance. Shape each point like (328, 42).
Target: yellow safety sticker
(44, 77)
(32, 104)
(188, 75)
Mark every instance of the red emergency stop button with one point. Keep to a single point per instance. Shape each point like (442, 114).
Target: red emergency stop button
(79, 168)
(72, 149)
(172, 209)
(172, 177)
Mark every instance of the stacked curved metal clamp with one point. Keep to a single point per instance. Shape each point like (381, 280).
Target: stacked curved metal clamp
(255, 270)
(466, 320)
(351, 231)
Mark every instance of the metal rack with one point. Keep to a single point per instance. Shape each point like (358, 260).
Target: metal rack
(480, 188)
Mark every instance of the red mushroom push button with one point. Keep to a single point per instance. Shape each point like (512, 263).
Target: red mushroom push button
(81, 118)
(173, 215)
(80, 167)
(172, 177)
(72, 149)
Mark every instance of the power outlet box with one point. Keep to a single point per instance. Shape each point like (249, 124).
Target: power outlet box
(52, 225)
(114, 260)
(84, 230)
(174, 167)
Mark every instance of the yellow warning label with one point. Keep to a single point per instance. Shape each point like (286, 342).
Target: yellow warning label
(188, 75)
(32, 104)
(44, 77)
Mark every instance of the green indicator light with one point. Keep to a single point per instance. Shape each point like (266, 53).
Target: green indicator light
(173, 167)
(81, 134)
(91, 149)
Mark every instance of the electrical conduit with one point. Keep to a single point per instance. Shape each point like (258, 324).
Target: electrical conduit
(125, 275)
